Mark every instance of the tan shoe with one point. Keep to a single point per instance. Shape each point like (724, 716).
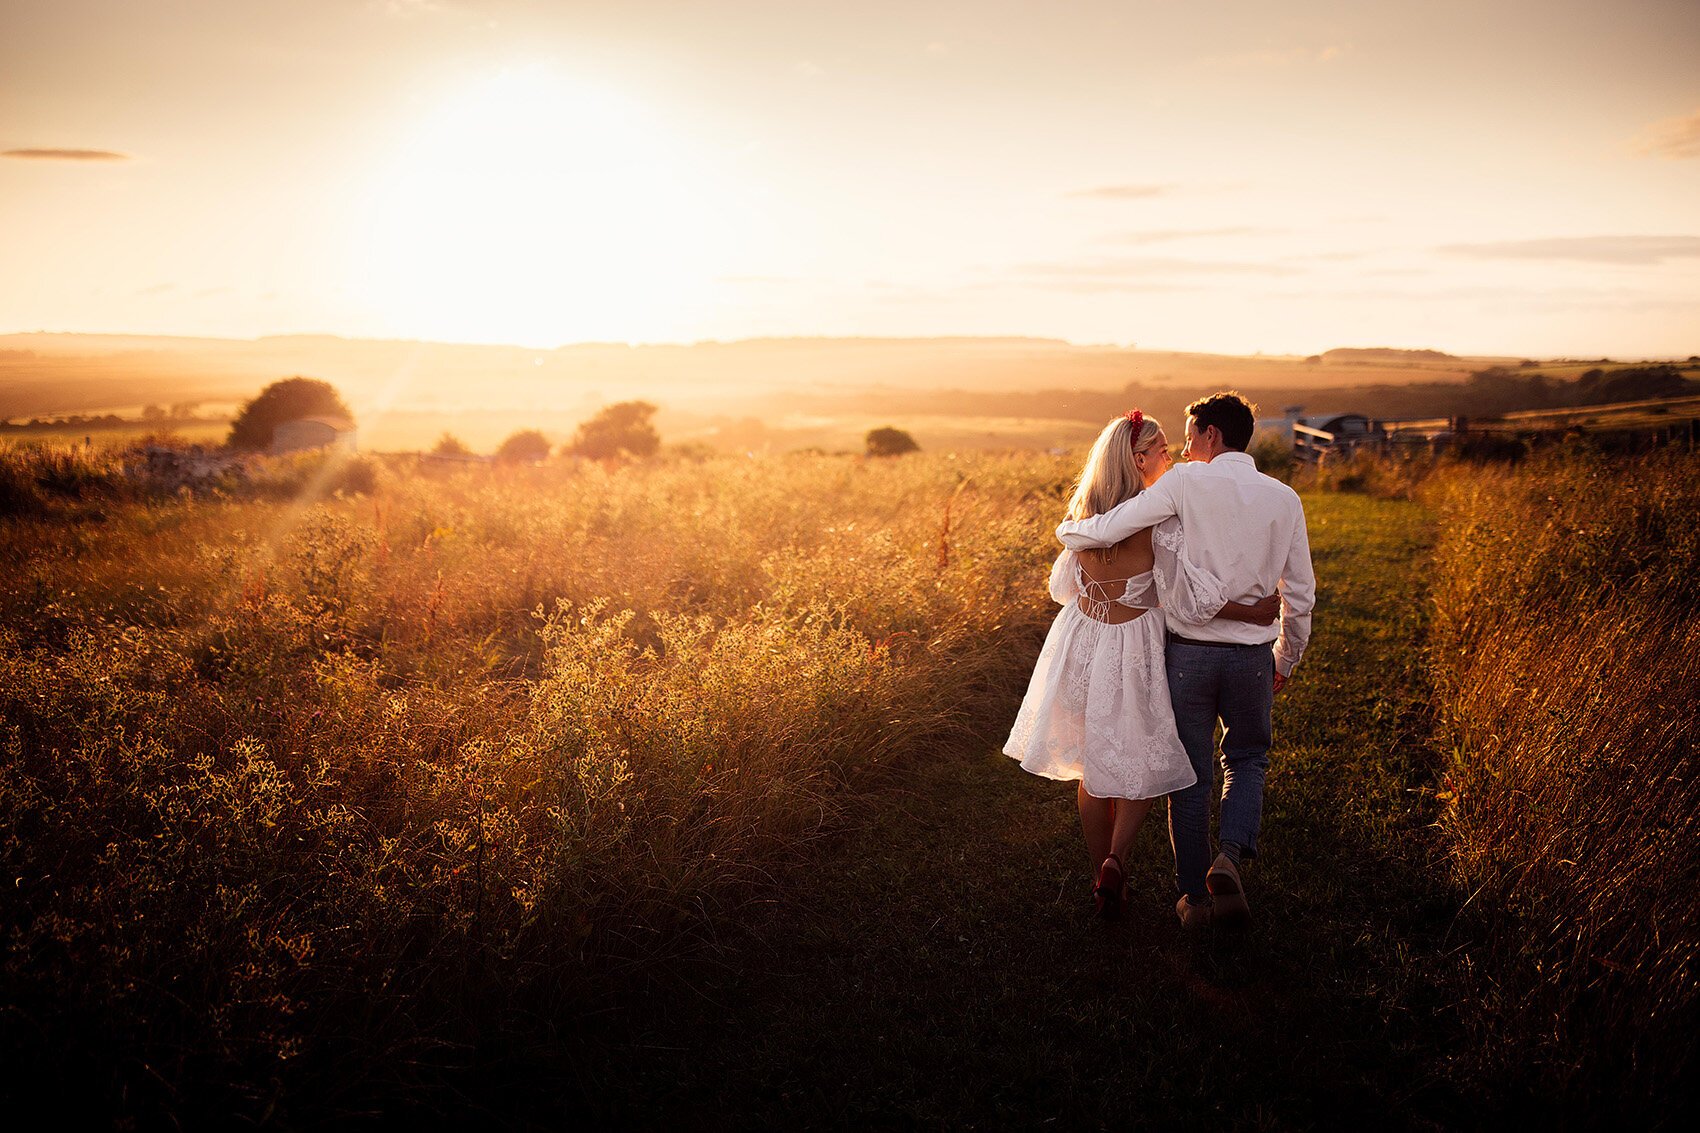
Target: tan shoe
(1227, 894)
(1192, 916)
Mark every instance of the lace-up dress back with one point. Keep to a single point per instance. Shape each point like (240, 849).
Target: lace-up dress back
(1097, 708)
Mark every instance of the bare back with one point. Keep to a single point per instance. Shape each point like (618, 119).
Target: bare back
(1110, 569)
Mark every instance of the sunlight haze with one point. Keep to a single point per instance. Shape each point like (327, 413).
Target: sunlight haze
(1504, 177)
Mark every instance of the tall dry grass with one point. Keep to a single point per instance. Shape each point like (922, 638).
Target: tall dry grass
(301, 784)
(1566, 656)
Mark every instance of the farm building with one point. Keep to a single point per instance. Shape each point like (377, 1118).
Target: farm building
(1282, 426)
(1342, 433)
(313, 432)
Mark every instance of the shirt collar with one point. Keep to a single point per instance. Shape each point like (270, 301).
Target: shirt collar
(1233, 457)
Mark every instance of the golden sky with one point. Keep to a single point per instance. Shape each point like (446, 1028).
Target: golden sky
(1481, 176)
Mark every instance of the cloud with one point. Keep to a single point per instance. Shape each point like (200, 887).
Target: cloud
(757, 280)
(1131, 274)
(1673, 138)
(1128, 267)
(65, 155)
(1124, 192)
(157, 289)
(1164, 235)
(1280, 57)
(1590, 249)
(1120, 287)
(1325, 257)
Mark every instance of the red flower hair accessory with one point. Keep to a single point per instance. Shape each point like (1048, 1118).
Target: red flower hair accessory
(1138, 419)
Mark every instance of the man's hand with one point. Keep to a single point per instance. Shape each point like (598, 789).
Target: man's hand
(1265, 610)
(1261, 612)
(1280, 681)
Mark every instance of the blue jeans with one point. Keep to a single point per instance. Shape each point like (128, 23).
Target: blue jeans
(1236, 685)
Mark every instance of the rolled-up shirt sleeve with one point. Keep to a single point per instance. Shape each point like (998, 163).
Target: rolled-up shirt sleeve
(1298, 599)
(1147, 509)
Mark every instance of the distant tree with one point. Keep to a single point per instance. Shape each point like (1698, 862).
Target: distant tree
(286, 400)
(523, 447)
(888, 441)
(624, 427)
(1636, 383)
(450, 445)
(153, 413)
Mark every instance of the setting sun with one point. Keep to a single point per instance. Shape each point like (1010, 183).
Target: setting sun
(527, 208)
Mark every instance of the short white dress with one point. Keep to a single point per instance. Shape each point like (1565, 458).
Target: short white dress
(1097, 708)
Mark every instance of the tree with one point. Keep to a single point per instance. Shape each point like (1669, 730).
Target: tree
(888, 441)
(286, 400)
(525, 446)
(450, 445)
(621, 428)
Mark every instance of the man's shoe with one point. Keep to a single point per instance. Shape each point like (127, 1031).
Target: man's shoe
(1193, 916)
(1227, 894)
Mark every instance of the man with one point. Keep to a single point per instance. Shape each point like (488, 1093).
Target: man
(1248, 530)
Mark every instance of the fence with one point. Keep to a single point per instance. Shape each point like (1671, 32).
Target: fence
(1650, 423)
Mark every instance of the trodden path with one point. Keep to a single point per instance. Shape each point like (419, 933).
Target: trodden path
(939, 964)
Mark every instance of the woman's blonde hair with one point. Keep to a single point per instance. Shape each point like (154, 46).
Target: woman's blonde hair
(1110, 475)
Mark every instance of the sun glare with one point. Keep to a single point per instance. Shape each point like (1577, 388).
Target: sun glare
(528, 209)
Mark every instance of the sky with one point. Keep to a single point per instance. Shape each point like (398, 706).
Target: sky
(1513, 177)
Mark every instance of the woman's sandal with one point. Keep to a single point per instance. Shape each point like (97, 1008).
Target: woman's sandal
(1109, 892)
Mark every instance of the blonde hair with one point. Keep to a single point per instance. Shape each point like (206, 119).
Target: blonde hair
(1110, 475)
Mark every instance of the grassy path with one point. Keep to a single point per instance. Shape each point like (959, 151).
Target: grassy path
(943, 967)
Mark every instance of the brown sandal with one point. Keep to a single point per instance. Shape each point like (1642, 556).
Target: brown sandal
(1109, 892)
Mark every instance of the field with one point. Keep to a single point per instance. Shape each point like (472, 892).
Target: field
(624, 793)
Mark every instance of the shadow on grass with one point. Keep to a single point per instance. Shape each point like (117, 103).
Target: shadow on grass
(938, 963)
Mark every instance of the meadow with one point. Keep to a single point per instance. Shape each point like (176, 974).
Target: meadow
(626, 791)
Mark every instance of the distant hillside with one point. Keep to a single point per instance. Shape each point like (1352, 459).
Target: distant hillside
(1487, 393)
(1384, 354)
(52, 374)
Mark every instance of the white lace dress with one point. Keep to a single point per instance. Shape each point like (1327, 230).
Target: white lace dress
(1097, 708)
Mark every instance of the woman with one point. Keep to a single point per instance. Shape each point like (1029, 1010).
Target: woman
(1097, 709)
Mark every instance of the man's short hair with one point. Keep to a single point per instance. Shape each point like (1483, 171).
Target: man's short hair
(1229, 412)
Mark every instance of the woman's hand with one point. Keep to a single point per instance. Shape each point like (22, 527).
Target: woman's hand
(1262, 612)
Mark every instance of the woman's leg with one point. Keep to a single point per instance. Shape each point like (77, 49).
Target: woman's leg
(1129, 814)
(1097, 822)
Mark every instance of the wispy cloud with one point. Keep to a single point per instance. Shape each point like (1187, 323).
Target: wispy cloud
(65, 155)
(757, 280)
(1123, 192)
(1118, 287)
(1126, 273)
(1166, 235)
(1280, 57)
(1673, 138)
(1590, 249)
(1148, 266)
(157, 289)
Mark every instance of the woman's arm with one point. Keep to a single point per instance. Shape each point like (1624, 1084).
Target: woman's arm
(1065, 579)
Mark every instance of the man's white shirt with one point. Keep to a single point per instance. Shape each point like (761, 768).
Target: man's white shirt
(1245, 528)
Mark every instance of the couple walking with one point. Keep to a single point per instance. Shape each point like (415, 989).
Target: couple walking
(1170, 583)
